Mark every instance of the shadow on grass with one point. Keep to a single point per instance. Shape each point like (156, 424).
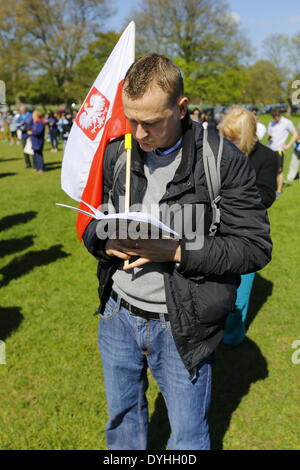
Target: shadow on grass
(51, 168)
(24, 264)
(16, 219)
(159, 427)
(262, 289)
(10, 320)
(13, 245)
(53, 163)
(9, 159)
(233, 373)
(4, 175)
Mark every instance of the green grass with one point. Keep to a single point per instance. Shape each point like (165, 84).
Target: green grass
(52, 393)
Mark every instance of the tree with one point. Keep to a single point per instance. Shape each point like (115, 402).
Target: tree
(53, 35)
(90, 64)
(265, 83)
(13, 54)
(294, 54)
(275, 49)
(229, 87)
(284, 53)
(201, 36)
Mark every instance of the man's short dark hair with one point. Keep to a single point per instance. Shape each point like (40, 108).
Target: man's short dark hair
(275, 112)
(154, 69)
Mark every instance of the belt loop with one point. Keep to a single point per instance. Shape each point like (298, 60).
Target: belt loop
(117, 300)
(162, 317)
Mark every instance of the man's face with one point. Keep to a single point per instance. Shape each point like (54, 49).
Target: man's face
(277, 118)
(155, 123)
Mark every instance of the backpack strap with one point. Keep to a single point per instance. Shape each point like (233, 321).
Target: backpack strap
(119, 164)
(212, 169)
(213, 178)
(118, 147)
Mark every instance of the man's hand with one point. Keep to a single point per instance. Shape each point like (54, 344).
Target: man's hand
(295, 136)
(160, 251)
(116, 248)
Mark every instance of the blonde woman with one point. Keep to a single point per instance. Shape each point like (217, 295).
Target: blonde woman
(239, 126)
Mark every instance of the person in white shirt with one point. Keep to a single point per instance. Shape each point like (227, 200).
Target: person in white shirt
(295, 160)
(260, 128)
(278, 132)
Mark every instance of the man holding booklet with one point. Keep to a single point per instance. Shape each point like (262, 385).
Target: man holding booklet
(166, 308)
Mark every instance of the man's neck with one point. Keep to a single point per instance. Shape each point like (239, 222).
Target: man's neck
(174, 141)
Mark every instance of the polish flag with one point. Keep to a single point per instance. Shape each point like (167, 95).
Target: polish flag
(99, 120)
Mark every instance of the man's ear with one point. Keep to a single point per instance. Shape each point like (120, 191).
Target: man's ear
(183, 107)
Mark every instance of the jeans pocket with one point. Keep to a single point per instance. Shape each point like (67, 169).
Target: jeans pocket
(111, 309)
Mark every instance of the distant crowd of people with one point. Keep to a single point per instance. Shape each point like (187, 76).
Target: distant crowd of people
(17, 126)
(30, 130)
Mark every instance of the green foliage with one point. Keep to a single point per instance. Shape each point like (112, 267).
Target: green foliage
(52, 391)
(41, 39)
(51, 52)
(203, 39)
(91, 63)
(228, 87)
(265, 83)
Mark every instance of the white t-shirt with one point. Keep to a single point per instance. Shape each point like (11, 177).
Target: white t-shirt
(260, 130)
(279, 132)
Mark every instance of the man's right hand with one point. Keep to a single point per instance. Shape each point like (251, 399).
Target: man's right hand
(116, 247)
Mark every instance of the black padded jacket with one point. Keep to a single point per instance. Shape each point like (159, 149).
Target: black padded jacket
(201, 290)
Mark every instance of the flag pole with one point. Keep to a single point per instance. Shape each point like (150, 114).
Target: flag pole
(127, 147)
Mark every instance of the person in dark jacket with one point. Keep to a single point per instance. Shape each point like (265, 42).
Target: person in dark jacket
(239, 126)
(53, 131)
(24, 124)
(37, 134)
(167, 309)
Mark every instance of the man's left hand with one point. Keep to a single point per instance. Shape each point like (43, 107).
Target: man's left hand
(160, 251)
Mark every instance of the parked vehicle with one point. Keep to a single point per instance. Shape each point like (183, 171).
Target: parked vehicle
(270, 107)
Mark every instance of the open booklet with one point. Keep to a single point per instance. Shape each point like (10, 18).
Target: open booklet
(142, 217)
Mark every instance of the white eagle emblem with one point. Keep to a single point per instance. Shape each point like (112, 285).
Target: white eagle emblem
(92, 115)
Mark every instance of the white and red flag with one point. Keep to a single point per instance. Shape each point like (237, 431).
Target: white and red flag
(99, 120)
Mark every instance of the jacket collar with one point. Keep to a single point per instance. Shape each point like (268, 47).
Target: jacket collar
(257, 144)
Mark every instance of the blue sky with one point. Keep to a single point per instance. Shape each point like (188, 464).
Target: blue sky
(258, 18)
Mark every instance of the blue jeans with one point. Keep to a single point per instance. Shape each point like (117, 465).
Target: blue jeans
(38, 160)
(128, 346)
(53, 138)
(235, 329)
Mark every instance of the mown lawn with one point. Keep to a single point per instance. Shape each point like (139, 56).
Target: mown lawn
(52, 394)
